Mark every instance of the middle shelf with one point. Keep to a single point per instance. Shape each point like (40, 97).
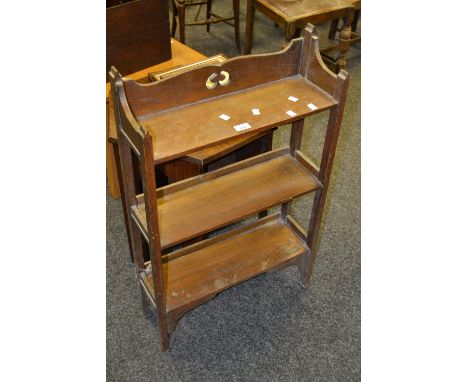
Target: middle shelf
(204, 203)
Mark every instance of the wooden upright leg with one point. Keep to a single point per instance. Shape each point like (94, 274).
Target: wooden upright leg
(135, 239)
(174, 18)
(236, 9)
(181, 12)
(290, 32)
(294, 144)
(148, 177)
(345, 40)
(208, 14)
(333, 29)
(250, 18)
(326, 163)
(123, 199)
(267, 144)
(145, 303)
(356, 16)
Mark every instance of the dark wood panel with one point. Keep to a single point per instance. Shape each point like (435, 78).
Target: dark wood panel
(137, 35)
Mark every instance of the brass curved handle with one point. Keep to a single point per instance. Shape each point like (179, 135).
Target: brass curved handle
(226, 80)
(209, 82)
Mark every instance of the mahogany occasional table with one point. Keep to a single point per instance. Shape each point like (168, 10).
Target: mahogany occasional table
(292, 15)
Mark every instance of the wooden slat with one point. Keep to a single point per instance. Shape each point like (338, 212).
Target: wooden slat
(196, 210)
(198, 125)
(197, 276)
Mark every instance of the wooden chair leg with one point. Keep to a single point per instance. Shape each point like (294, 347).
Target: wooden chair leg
(181, 11)
(236, 8)
(208, 14)
(174, 18)
(250, 18)
(333, 29)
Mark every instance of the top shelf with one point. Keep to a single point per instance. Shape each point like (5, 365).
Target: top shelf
(179, 131)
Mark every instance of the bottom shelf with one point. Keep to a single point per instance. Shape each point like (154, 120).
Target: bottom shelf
(197, 273)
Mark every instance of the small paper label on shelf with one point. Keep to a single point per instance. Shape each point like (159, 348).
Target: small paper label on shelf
(291, 113)
(294, 99)
(242, 126)
(255, 111)
(225, 117)
(311, 106)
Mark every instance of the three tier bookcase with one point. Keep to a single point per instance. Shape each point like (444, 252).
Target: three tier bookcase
(169, 119)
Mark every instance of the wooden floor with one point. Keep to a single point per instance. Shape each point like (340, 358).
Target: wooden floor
(232, 258)
(220, 200)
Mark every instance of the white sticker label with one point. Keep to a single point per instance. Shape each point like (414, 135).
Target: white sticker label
(294, 99)
(225, 117)
(242, 126)
(255, 111)
(311, 106)
(291, 113)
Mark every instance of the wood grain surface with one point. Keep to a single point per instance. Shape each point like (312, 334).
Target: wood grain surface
(137, 35)
(197, 209)
(186, 129)
(213, 268)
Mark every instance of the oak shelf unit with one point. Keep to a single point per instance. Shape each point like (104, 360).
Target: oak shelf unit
(180, 115)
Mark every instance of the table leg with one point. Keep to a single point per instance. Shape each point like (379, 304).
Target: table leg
(208, 14)
(345, 40)
(249, 27)
(357, 14)
(333, 29)
(181, 12)
(236, 9)
(290, 33)
(174, 18)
